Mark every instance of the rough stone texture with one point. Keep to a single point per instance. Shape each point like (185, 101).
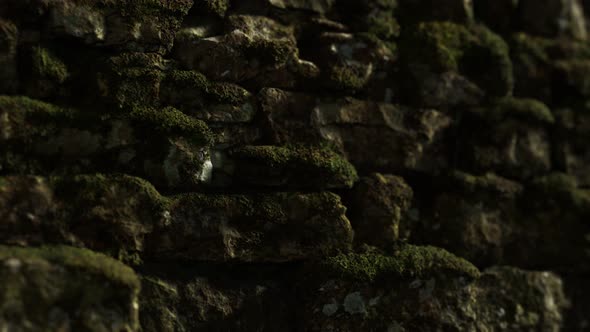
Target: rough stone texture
(379, 201)
(8, 48)
(510, 136)
(66, 289)
(165, 146)
(294, 165)
(136, 221)
(553, 18)
(404, 293)
(405, 134)
(491, 220)
(204, 299)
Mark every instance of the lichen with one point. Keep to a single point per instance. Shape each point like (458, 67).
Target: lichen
(76, 258)
(409, 262)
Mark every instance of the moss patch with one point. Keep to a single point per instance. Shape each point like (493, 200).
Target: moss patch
(80, 259)
(519, 109)
(172, 121)
(215, 91)
(309, 161)
(47, 66)
(409, 262)
(437, 47)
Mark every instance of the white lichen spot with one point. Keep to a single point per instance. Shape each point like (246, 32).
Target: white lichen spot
(354, 304)
(206, 173)
(166, 218)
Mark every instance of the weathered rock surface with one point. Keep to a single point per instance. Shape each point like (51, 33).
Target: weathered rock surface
(202, 299)
(490, 220)
(509, 137)
(409, 138)
(428, 289)
(137, 223)
(243, 114)
(165, 146)
(378, 203)
(66, 289)
(431, 49)
(291, 167)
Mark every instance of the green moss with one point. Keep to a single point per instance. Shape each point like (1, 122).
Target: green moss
(437, 47)
(171, 121)
(310, 161)
(347, 78)
(218, 92)
(92, 187)
(29, 117)
(519, 108)
(564, 189)
(24, 104)
(135, 78)
(439, 44)
(78, 259)
(383, 25)
(270, 51)
(47, 66)
(409, 262)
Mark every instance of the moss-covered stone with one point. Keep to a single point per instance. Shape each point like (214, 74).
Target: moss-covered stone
(136, 223)
(551, 70)
(146, 25)
(161, 145)
(522, 109)
(52, 288)
(182, 88)
(378, 203)
(437, 47)
(277, 227)
(375, 18)
(47, 73)
(409, 262)
(291, 166)
(216, 7)
(132, 79)
(170, 121)
(516, 144)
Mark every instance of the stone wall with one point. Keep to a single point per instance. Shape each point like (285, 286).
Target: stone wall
(294, 165)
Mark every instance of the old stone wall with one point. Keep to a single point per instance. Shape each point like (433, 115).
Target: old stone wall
(294, 165)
